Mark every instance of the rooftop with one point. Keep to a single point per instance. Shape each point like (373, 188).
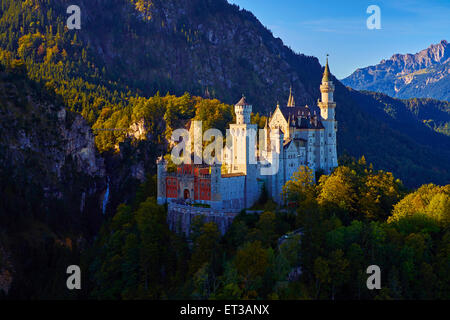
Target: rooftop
(242, 102)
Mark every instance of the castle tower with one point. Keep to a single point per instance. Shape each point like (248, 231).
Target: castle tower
(243, 111)
(243, 136)
(327, 112)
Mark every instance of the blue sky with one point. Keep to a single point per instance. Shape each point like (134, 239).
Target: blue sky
(339, 28)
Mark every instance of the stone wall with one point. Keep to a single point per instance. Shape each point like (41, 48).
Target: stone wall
(180, 217)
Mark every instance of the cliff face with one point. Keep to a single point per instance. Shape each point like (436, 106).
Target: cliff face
(424, 74)
(51, 184)
(45, 151)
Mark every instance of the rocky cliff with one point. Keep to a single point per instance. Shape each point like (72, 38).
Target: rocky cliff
(49, 165)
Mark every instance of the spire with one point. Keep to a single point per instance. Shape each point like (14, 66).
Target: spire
(207, 94)
(291, 102)
(326, 73)
(242, 102)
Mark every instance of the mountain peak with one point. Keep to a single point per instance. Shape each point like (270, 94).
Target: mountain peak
(435, 53)
(423, 74)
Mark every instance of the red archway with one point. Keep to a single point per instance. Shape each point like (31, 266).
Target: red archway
(186, 194)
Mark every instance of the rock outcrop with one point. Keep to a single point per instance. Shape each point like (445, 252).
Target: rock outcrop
(46, 148)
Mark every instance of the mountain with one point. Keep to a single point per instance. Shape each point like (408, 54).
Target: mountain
(142, 47)
(195, 46)
(47, 152)
(425, 74)
(51, 180)
(413, 114)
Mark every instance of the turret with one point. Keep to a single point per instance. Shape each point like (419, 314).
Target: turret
(243, 111)
(327, 112)
(327, 104)
(243, 136)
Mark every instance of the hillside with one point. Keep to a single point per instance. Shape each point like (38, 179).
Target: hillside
(51, 181)
(142, 47)
(411, 115)
(425, 74)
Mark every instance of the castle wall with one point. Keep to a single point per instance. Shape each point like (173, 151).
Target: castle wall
(180, 217)
(330, 146)
(232, 189)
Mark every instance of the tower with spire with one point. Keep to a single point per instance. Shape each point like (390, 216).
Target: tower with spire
(291, 102)
(327, 111)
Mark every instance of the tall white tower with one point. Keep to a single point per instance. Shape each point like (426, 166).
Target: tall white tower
(243, 138)
(327, 112)
(243, 111)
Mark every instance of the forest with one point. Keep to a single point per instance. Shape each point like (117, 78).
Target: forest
(317, 248)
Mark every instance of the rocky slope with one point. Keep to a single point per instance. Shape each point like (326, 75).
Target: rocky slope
(45, 146)
(425, 74)
(52, 180)
(194, 46)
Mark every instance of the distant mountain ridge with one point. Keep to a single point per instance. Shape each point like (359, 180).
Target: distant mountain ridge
(425, 74)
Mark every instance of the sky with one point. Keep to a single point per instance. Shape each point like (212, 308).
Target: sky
(339, 28)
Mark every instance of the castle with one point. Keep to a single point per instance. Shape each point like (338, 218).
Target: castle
(293, 137)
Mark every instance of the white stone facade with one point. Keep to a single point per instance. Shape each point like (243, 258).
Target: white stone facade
(293, 137)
